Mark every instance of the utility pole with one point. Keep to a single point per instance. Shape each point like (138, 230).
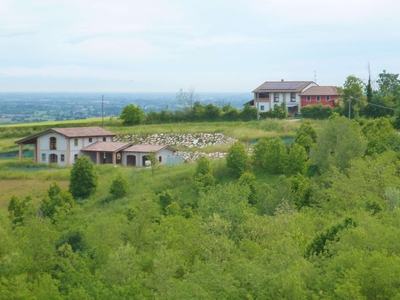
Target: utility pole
(102, 110)
(349, 106)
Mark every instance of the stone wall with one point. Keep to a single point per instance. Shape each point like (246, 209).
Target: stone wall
(188, 140)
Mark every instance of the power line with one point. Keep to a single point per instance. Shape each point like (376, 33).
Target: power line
(373, 104)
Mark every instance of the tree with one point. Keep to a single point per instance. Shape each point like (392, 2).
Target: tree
(275, 158)
(18, 210)
(248, 113)
(380, 136)
(306, 136)
(236, 159)
(187, 99)
(83, 179)
(297, 160)
(165, 199)
(248, 179)
(119, 186)
(352, 95)
(56, 200)
(132, 115)
(339, 141)
(203, 177)
(388, 83)
(154, 162)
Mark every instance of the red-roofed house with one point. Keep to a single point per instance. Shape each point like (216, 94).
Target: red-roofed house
(325, 95)
(63, 145)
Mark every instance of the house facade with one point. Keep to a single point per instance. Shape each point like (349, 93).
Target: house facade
(272, 93)
(325, 95)
(63, 145)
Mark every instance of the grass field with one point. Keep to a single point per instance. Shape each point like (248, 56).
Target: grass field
(23, 179)
(243, 131)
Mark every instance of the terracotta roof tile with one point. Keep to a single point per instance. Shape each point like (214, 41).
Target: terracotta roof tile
(83, 131)
(147, 148)
(107, 147)
(320, 91)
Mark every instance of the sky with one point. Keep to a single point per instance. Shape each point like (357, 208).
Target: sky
(207, 45)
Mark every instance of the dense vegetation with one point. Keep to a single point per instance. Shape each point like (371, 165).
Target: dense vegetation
(318, 219)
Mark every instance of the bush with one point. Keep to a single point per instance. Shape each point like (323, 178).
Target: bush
(236, 159)
(84, 180)
(317, 112)
(119, 186)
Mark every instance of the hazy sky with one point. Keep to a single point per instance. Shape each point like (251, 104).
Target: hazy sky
(210, 45)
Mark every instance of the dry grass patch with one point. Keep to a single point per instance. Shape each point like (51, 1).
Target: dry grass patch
(35, 188)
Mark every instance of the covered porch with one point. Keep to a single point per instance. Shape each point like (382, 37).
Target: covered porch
(106, 152)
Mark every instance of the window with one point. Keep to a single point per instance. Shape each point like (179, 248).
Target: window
(75, 156)
(118, 156)
(104, 139)
(292, 97)
(90, 140)
(53, 143)
(327, 98)
(262, 107)
(263, 95)
(160, 158)
(62, 158)
(308, 98)
(75, 142)
(53, 158)
(276, 97)
(43, 156)
(318, 98)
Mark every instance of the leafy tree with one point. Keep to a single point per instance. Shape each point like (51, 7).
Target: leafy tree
(18, 210)
(248, 113)
(248, 179)
(211, 112)
(388, 83)
(154, 162)
(165, 198)
(132, 115)
(83, 179)
(55, 201)
(339, 141)
(173, 209)
(203, 177)
(236, 159)
(279, 112)
(119, 186)
(260, 150)
(297, 160)
(306, 136)
(230, 113)
(317, 246)
(352, 95)
(380, 136)
(275, 159)
(380, 106)
(301, 190)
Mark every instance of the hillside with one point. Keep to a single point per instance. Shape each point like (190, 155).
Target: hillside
(315, 220)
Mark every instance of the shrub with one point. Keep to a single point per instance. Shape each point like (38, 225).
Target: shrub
(84, 180)
(317, 112)
(119, 186)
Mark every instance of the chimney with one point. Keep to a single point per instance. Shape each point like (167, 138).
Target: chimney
(282, 80)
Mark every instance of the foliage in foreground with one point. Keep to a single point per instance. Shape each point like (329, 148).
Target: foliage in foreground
(314, 235)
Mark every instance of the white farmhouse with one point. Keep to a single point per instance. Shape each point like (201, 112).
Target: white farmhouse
(63, 145)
